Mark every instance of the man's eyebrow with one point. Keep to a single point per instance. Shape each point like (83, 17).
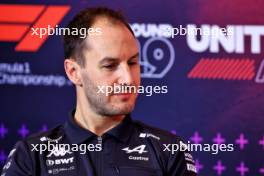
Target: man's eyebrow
(134, 56)
(113, 59)
(108, 59)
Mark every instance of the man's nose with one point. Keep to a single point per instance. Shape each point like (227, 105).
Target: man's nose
(125, 76)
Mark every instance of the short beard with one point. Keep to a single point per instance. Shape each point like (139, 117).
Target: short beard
(98, 101)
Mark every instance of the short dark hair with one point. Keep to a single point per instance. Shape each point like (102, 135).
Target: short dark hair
(74, 44)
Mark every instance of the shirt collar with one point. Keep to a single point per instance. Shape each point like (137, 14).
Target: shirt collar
(123, 130)
(77, 134)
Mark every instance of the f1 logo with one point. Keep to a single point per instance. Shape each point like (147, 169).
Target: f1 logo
(16, 22)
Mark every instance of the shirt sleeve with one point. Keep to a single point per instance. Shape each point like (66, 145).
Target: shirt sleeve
(18, 162)
(181, 163)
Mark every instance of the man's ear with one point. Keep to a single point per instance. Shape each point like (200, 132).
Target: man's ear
(73, 71)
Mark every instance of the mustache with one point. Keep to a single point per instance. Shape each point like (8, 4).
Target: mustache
(124, 86)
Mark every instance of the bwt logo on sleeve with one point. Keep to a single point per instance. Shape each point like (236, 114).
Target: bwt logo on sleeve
(17, 20)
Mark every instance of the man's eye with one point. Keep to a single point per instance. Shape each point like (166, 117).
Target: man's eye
(110, 66)
(132, 63)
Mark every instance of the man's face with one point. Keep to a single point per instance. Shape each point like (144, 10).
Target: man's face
(111, 58)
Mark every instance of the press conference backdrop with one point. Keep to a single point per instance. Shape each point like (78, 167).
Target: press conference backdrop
(215, 84)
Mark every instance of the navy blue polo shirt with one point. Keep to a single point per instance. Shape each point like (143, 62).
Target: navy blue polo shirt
(129, 149)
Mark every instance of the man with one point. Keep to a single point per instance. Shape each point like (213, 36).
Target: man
(114, 144)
